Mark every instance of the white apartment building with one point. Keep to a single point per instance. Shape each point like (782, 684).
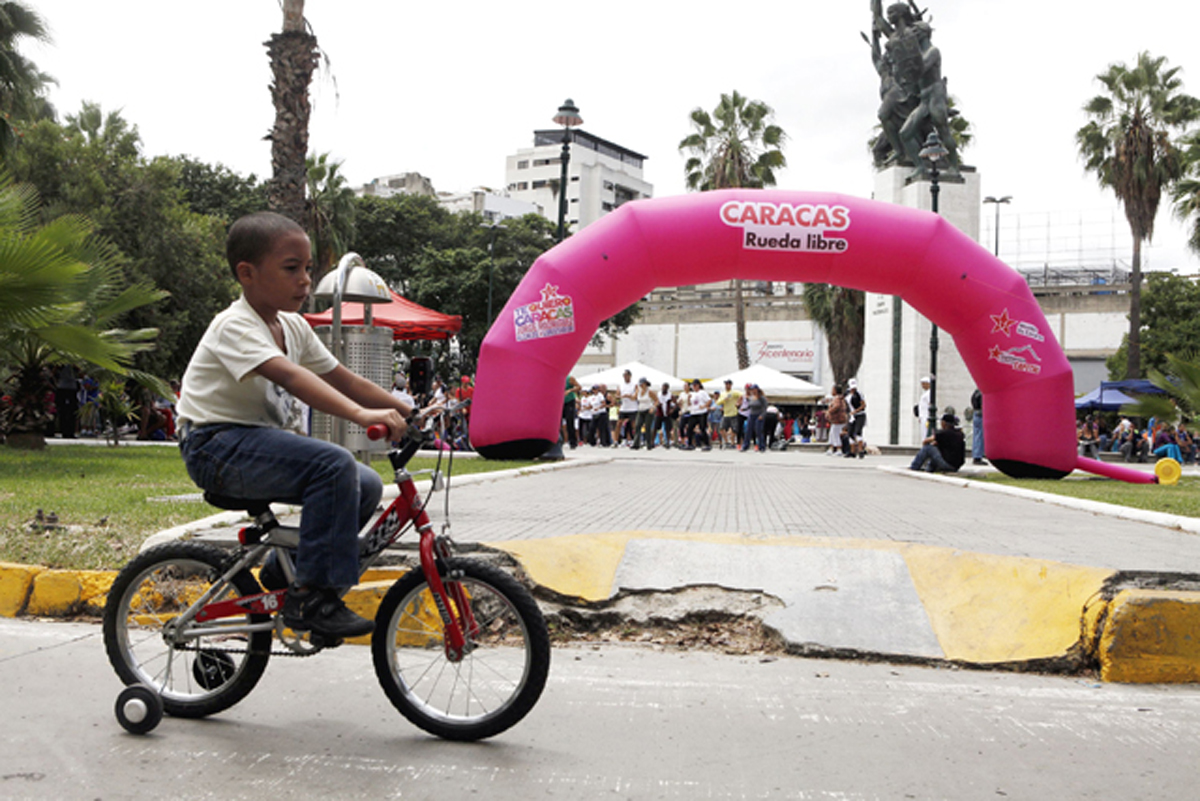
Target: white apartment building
(601, 176)
(491, 205)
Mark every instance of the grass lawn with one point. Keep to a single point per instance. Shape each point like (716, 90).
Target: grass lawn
(111, 499)
(1178, 499)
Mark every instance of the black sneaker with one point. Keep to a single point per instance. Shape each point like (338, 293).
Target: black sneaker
(271, 576)
(322, 612)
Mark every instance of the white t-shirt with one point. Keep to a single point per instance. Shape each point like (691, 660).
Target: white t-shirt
(628, 397)
(220, 385)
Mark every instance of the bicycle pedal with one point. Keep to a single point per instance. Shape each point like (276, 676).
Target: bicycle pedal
(317, 641)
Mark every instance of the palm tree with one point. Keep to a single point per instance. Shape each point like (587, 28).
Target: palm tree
(330, 212)
(1181, 385)
(1127, 143)
(839, 311)
(60, 304)
(1186, 192)
(737, 146)
(22, 85)
(294, 56)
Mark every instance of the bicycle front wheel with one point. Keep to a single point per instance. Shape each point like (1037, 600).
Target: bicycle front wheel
(498, 679)
(203, 675)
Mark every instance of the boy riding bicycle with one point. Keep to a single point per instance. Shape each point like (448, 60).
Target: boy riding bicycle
(240, 426)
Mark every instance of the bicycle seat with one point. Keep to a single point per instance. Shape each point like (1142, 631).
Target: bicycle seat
(254, 507)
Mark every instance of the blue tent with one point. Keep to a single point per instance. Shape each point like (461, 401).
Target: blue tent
(1110, 395)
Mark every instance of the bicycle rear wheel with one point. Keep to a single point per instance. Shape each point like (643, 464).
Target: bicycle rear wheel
(208, 674)
(497, 681)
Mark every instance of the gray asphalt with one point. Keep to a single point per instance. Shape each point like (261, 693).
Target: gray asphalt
(795, 493)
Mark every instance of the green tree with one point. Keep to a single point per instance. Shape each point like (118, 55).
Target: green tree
(294, 55)
(1128, 144)
(1186, 192)
(22, 84)
(840, 312)
(217, 191)
(92, 166)
(1170, 322)
(736, 146)
(331, 210)
(1180, 380)
(62, 301)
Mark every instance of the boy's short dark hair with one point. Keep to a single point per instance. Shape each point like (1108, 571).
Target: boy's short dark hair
(252, 237)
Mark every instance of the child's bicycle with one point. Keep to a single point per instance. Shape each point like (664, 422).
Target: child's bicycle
(460, 647)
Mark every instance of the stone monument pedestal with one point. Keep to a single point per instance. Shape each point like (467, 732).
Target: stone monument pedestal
(895, 357)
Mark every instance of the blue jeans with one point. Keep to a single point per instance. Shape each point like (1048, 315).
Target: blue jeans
(258, 463)
(929, 458)
(1171, 451)
(754, 432)
(977, 435)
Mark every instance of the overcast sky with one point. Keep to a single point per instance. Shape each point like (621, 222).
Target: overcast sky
(449, 89)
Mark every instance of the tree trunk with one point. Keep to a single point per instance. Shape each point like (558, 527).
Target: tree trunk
(1133, 367)
(293, 56)
(739, 305)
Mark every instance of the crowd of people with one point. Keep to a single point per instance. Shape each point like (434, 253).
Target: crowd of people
(1157, 439)
(636, 415)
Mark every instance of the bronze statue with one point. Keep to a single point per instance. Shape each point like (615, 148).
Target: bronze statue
(912, 91)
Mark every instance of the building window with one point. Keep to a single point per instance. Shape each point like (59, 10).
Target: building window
(523, 165)
(607, 206)
(522, 185)
(540, 184)
(546, 162)
(574, 178)
(608, 186)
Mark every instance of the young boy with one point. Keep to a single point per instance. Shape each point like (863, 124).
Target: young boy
(240, 429)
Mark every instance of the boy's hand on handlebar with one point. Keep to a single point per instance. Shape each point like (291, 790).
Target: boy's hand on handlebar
(391, 418)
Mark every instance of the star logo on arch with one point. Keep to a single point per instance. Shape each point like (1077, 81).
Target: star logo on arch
(994, 352)
(549, 292)
(1002, 322)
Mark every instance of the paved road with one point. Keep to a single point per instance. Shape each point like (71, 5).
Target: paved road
(614, 723)
(803, 494)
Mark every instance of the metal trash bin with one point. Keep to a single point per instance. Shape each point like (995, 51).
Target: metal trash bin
(369, 354)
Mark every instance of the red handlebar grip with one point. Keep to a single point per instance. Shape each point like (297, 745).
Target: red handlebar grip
(377, 431)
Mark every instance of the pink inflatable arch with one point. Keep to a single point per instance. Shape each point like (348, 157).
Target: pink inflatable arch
(983, 304)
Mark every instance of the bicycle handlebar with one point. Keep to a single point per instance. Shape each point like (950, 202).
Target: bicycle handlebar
(380, 431)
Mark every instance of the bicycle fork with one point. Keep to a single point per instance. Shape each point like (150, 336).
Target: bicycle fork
(449, 596)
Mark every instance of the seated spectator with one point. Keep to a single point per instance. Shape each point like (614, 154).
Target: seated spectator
(1089, 439)
(945, 451)
(1165, 445)
(1186, 443)
(1135, 445)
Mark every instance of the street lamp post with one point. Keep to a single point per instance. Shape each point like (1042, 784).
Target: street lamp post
(933, 152)
(998, 200)
(491, 266)
(567, 116)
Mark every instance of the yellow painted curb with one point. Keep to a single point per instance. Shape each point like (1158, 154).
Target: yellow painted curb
(1151, 636)
(16, 581)
(988, 609)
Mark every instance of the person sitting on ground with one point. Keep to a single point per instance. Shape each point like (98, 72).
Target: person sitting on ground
(1186, 443)
(1165, 445)
(239, 420)
(945, 451)
(1089, 439)
(1134, 445)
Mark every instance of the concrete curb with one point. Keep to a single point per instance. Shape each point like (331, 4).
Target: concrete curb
(1188, 524)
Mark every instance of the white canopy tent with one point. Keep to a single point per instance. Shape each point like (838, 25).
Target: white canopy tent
(778, 387)
(615, 375)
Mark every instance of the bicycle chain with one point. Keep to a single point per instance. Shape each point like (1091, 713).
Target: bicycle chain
(272, 652)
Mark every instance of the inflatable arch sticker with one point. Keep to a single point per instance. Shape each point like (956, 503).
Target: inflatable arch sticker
(987, 308)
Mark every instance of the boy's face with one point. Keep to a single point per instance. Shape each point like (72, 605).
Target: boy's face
(281, 280)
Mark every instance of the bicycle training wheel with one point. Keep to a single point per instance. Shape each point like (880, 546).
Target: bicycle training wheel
(499, 678)
(201, 676)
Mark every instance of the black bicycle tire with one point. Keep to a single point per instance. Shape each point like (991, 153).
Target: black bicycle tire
(537, 639)
(116, 610)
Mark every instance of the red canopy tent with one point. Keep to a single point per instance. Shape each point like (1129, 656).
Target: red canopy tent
(407, 320)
